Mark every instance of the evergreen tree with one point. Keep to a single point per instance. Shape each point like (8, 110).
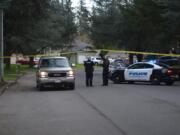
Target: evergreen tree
(172, 37)
(20, 17)
(136, 25)
(143, 25)
(103, 30)
(83, 19)
(34, 25)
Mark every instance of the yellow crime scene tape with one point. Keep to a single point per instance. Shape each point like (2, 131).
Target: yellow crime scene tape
(144, 53)
(108, 50)
(41, 55)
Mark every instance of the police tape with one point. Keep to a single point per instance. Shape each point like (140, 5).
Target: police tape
(107, 50)
(144, 53)
(41, 55)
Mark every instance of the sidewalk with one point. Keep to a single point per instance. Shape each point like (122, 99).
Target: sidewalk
(5, 85)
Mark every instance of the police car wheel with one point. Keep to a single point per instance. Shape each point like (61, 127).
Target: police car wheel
(154, 80)
(116, 79)
(40, 87)
(169, 83)
(37, 84)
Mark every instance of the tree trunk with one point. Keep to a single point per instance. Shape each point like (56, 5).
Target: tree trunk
(31, 62)
(139, 57)
(131, 58)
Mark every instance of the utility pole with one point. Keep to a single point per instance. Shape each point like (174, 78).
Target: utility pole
(3, 4)
(1, 47)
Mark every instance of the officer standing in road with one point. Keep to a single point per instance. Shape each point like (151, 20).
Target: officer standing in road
(105, 69)
(89, 69)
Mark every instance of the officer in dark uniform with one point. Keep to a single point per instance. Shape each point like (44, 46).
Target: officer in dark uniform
(89, 69)
(105, 70)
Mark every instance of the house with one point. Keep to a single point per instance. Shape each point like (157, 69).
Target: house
(81, 51)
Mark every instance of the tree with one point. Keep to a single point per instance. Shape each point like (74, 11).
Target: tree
(83, 19)
(69, 23)
(136, 25)
(34, 25)
(172, 15)
(143, 26)
(104, 18)
(20, 17)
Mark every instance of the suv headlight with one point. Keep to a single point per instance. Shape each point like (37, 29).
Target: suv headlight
(70, 73)
(43, 74)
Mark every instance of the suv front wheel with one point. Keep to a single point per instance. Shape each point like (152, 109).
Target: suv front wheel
(40, 87)
(72, 86)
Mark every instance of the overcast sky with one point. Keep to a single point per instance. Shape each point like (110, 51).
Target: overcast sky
(75, 3)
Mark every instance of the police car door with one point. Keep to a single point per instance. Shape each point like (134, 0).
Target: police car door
(138, 72)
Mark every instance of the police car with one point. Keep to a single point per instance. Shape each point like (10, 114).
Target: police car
(144, 72)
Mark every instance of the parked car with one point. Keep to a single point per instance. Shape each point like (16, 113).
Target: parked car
(171, 61)
(118, 61)
(55, 72)
(96, 60)
(27, 62)
(116, 66)
(151, 58)
(145, 72)
(175, 70)
(23, 62)
(111, 60)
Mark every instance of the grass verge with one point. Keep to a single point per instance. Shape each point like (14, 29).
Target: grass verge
(81, 67)
(14, 71)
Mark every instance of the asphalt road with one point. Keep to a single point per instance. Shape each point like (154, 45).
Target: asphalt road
(119, 109)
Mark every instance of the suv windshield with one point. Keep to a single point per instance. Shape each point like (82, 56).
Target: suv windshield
(54, 62)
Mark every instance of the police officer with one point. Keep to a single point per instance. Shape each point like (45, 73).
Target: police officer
(105, 70)
(89, 69)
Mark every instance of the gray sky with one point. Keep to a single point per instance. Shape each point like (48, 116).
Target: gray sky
(75, 3)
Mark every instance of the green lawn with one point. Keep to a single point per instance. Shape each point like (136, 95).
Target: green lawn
(81, 67)
(12, 73)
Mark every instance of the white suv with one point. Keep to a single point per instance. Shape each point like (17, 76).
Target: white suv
(54, 71)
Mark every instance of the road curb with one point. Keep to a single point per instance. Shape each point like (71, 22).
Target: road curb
(9, 84)
(6, 86)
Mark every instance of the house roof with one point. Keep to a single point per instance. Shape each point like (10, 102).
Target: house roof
(78, 45)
